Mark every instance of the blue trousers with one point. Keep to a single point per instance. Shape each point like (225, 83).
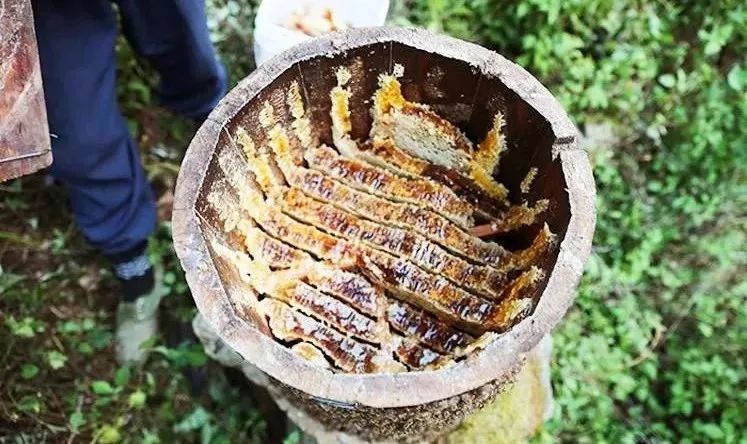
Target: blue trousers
(94, 155)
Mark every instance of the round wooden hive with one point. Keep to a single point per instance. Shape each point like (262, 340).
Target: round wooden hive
(466, 84)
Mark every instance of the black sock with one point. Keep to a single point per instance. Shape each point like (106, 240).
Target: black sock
(134, 271)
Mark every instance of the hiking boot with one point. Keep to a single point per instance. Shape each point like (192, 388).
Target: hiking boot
(137, 321)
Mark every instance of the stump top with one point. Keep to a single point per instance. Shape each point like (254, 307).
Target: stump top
(541, 134)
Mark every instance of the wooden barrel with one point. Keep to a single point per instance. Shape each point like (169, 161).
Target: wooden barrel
(468, 85)
(24, 134)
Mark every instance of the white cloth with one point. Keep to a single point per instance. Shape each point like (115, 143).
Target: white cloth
(272, 37)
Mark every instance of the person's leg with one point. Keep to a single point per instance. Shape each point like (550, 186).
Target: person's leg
(94, 156)
(173, 36)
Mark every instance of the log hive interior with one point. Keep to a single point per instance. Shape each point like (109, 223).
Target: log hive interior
(359, 254)
(377, 218)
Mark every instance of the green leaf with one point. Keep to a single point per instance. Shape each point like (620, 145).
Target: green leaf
(122, 376)
(30, 403)
(597, 96)
(195, 420)
(102, 387)
(24, 331)
(654, 24)
(667, 80)
(88, 324)
(137, 399)
(70, 327)
(85, 348)
(169, 278)
(76, 420)
(716, 38)
(99, 338)
(25, 328)
(705, 329)
(197, 357)
(183, 355)
(737, 77)
(109, 434)
(56, 359)
(293, 438)
(28, 371)
(207, 433)
(711, 430)
(150, 438)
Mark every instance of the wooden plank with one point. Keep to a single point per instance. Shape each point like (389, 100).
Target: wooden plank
(24, 134)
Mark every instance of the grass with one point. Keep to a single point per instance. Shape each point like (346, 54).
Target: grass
(652, 351)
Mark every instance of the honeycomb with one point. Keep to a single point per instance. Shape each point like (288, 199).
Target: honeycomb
(381, 255)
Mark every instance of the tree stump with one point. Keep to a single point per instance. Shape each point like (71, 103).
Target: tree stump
(24, 134)
(466, 84)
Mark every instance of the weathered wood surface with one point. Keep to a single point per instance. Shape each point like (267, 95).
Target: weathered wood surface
(515, 415)
(24, 134)
(467, 84)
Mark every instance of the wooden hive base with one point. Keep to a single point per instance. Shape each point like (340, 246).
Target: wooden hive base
(496, 413)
